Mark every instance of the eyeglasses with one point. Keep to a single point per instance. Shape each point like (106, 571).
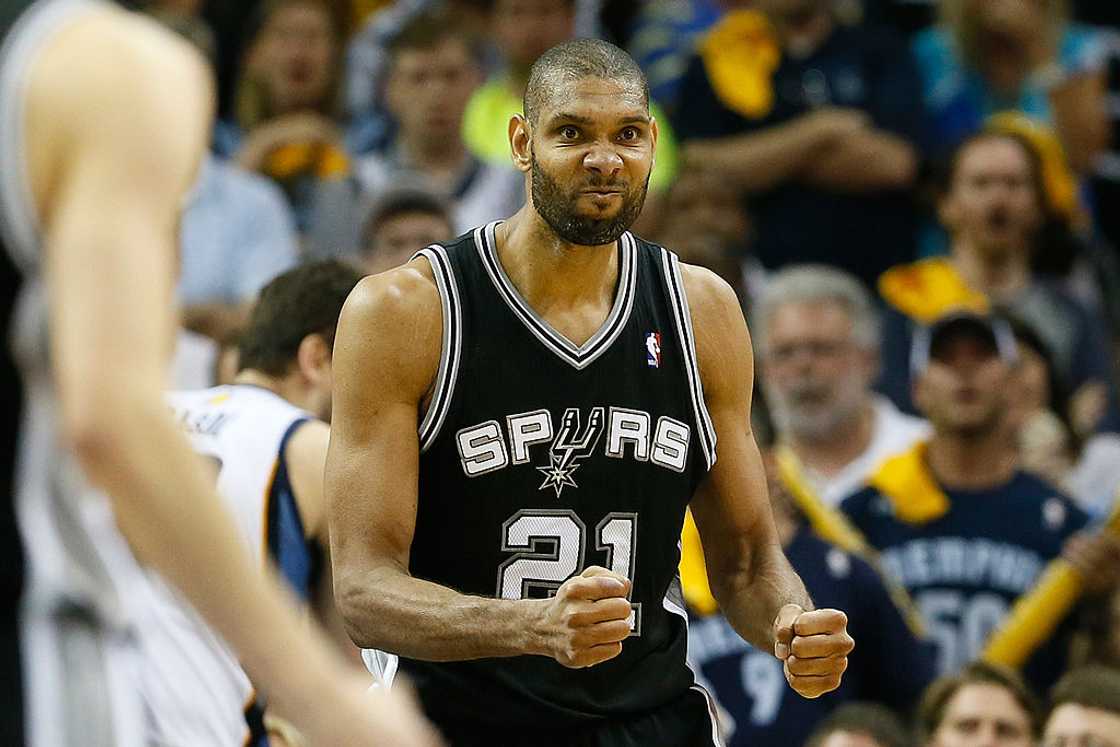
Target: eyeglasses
(784, 352)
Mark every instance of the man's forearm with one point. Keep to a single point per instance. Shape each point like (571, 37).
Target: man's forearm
(750, 598)
(392, 611)
(865, 162)
(759, 161)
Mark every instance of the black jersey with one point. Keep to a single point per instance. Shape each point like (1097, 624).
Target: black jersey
(540, 458)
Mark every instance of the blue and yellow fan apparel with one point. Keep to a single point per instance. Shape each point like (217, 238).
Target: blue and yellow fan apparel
(741, 82)
(540, 457)
(893, 667)
(965, 556)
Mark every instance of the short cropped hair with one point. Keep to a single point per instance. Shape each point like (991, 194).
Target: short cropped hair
(427, 30)
(575, 60)
(935, 700)
(872, 719)
(1091, 687)
(952, 165)
(810, 283)
(402, 200)
(300, 302)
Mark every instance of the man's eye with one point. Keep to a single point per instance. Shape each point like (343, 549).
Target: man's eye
(569, 133)
(630, 133)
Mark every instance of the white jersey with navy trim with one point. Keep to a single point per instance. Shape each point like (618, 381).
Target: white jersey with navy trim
(195, 689)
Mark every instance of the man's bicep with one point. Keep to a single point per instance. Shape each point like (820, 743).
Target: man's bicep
(383, 363)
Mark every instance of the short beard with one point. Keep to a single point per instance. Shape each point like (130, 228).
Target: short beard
(557, 208)
(818, 422)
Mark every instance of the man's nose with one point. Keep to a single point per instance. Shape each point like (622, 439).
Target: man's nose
(603, 159)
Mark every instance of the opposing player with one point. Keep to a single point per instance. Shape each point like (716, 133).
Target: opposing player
(265, 437)
(570, 383)
(103, 119)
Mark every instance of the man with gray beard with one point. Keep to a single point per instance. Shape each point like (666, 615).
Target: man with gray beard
(818, 338)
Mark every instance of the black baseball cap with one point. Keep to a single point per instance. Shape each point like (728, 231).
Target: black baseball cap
(993, 331)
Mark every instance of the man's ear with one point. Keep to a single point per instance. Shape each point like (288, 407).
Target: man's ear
(520, 143)
(654, 132)
(947, 212)
(313, 357)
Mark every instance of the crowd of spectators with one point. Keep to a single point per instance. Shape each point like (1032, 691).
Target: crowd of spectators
(918, 204)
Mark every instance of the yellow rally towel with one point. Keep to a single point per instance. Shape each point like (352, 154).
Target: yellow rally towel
(694, 573)
(929, 289)
(740, 56)
(1037, 614)
(1058, 181)
(905, 481)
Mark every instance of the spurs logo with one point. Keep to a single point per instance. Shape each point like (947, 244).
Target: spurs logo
(569, 447)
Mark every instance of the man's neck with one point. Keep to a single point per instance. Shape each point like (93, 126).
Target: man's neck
(999, 275)
(552, 274)
(284, 387)
(973, 462)
(830, 453)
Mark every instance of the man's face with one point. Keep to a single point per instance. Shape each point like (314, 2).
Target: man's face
(400, 236)
(992, 202)
(526, 29)
(850, 739)
(983, 715)
(817, 376)
(964, 387)
(591, 156)
(428, 90)
(297, 56)
(1073, 725)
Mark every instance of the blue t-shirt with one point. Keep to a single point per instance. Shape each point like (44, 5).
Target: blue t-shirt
(959, 99)
(863, 233)
(889, 664)
(966, 569)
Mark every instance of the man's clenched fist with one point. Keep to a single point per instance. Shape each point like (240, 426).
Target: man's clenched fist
(585, 623)
(814, 647)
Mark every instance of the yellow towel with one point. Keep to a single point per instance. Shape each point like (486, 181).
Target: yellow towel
(929, 289)
(740, 56)
(905, 481)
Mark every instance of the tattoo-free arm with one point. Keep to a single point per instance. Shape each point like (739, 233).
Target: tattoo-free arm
(748, 572)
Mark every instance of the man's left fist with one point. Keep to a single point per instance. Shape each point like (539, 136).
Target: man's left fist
(814, 647)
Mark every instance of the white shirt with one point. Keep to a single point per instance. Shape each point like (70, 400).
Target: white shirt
(892, 432)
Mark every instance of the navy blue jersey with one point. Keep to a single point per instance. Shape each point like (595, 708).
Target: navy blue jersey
(966, 568)
(539, 458)
(890, 665)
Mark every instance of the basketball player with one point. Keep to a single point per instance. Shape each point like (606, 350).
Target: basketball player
(103, 120)
(266, 439)
(519, 549)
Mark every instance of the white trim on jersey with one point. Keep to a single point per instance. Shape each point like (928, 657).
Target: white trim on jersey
(451, 349)
(19, 224)
(683, 321)
(678, 610)
(578, 356)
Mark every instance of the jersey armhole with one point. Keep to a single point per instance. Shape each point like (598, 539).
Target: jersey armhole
(451, 347)
(682, 320)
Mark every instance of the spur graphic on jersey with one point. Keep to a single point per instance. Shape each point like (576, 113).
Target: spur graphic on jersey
(568, 447)
(487, 447)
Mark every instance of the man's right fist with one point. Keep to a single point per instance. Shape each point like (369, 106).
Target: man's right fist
(588, 618)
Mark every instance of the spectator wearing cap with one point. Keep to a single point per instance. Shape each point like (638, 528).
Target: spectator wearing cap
(955, 519)
(982, 706)
(402, 222)
(818, 124)
(817, 337)
(1020, 55)
(433, 71)
(757, 706)
(1085, 709)
(860, 725)
(993, 208)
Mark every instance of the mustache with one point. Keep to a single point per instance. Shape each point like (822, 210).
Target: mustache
(605, 183)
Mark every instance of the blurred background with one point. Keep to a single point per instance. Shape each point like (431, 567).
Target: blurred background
(856, 170)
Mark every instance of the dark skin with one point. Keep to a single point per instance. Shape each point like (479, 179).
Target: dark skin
(596, 139)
